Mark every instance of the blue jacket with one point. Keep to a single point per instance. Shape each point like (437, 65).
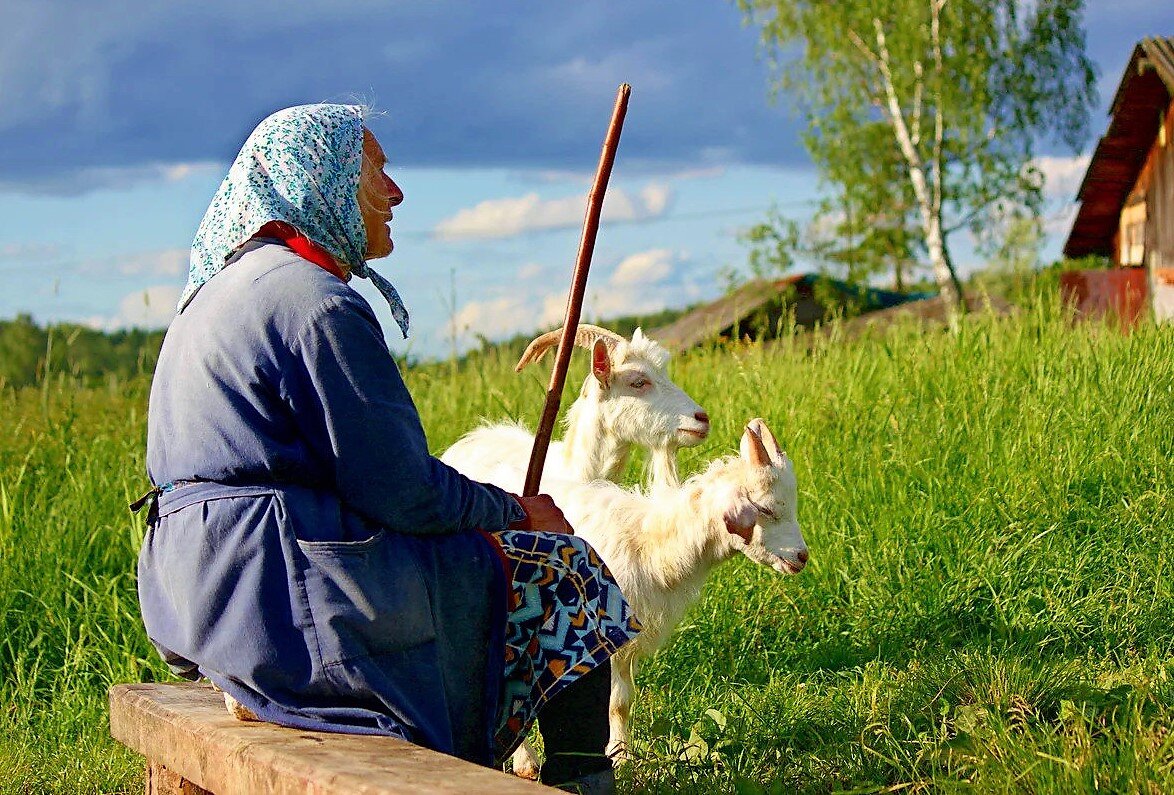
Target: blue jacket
(323, 568)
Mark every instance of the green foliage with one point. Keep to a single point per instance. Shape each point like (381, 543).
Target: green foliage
(987, 606)
(71, 458)
(29, 352)
(774, 244)
(923, 117)
(1090, 262)
(861, 227)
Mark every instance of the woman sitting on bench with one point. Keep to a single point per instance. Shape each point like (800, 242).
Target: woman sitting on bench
(304, 551)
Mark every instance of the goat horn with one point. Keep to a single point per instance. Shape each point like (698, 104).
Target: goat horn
(585, 336)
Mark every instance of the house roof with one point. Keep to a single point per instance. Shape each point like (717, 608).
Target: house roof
(1144, 92)
(709, 321)
(721, 316)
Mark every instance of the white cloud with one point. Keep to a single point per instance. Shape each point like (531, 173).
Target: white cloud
(157, 262)
(151, 307)
(703, 172)
(93, 178)
(1059, 221)
(656, 198)
(1062, 178)
(495, 218)
(618, 303)
(557, 175)
(529, 271)
(1062, 175)
(506, 217)
(36, 252)
(650, 281)
(498, 318)
(640, 284)
(166, 262)
(647, 267)
(176, 172)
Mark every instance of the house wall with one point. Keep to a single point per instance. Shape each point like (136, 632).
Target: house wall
(1145, 233)
(1156, 184)
(1159, 229)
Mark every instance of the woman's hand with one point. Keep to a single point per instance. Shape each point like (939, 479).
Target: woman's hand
(542, 515)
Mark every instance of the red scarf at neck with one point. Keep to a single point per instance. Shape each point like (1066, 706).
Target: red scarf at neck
(301, 245)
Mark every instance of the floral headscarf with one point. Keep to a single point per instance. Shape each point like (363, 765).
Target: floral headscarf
(301, 165)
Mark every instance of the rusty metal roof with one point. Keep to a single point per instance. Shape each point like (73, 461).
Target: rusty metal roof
(1143, 94)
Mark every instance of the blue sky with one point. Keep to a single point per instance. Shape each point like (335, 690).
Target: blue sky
(118, 121)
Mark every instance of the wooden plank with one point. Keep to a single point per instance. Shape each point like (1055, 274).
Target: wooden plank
(161, 781)
(186, 728)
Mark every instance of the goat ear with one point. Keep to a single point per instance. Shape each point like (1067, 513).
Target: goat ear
(740, 519)
(753, 449)
(769, 443)
(601, 364)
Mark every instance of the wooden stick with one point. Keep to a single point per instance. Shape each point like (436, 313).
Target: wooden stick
(558, 377)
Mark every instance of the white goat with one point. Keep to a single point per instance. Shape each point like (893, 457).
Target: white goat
(627, 400)
(661, 546)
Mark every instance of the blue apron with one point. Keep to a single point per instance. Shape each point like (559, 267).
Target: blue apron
(311, 617)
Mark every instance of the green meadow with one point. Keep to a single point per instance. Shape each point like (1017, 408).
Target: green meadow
(988, 605)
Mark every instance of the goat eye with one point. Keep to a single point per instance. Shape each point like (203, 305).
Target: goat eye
(762, 509)
(639, 383)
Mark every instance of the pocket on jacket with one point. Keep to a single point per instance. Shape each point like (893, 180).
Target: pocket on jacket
(366, 598)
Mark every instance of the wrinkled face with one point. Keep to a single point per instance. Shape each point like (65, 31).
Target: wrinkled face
(765, 518)
(642, 405)
(378, 193)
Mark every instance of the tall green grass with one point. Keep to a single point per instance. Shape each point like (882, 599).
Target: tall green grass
(987, 605)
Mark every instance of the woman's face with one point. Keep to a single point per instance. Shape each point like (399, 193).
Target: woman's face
(378, 193)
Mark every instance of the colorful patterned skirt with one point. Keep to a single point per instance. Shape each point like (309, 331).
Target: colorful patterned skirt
(566, 616)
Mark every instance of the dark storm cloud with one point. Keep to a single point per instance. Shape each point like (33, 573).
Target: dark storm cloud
(100, 87)
(101, 91)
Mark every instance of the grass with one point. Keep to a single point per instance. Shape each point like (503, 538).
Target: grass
(987, 607)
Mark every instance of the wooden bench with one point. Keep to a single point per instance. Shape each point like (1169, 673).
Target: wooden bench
(193, 746)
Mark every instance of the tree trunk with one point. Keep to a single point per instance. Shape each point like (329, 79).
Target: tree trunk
(935, 243)
(929, 201)
(954, 277)
(943, 270)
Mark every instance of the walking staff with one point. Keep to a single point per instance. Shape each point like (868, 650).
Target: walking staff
(558, 377)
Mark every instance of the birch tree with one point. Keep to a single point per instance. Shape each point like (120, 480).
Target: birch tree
(961, 92)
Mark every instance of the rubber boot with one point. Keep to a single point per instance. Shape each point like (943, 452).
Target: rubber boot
(575, 734)
(601, 783)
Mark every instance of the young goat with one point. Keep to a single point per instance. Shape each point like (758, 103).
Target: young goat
(661, 546)
(627, 400)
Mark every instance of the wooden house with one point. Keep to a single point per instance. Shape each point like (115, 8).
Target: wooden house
(1127, 196)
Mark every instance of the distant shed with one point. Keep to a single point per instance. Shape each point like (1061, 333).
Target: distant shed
(756, 308)
(1127, 196)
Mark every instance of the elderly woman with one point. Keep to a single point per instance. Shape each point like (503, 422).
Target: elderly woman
(304, 551)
